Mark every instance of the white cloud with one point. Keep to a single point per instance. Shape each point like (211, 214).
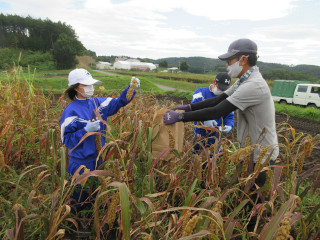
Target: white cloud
(290, 44)
(139, 27)
(235, 9)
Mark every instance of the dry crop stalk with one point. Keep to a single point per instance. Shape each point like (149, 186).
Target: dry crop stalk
(263, 153)
(225, 160)
(103, 183)
(218, 207)
(171, 138)
(186, 220)
(21, 210)
(98, 143)
(266, 192)
(245, 166)
(285, 171)
(248, 141)
(217, 175)
(85, 170)
(300, 163)
(234, 157)
(112, 210)
(2, 162)
(131, 89)
(213, 227)
(284, 230)
(198, 167)
(117, 171)
(32, 137)
(103, 188)
(191, 225)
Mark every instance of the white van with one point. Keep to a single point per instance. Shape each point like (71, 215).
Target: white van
(307, 95)
(296, 92)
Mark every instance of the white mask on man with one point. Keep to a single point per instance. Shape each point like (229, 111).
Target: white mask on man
(215, 90)
(88, 91)
(235, 69)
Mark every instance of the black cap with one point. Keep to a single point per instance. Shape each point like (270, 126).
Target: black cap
(242, 45)
(223, 81)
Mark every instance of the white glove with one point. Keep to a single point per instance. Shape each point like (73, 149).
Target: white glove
(138, 82)
(226, 129)
(92, 126)
(210, 123)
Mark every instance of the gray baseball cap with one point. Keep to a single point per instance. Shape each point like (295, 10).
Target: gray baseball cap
(242, 45)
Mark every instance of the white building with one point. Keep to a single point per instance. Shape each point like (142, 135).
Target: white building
(122, 65)
(173, 69)
(127, 65)
(132, 60)
(103, 65)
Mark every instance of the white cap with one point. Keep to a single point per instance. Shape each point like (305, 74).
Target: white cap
(82, 76)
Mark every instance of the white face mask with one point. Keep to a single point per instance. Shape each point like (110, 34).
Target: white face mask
(215, 90)
(88, 91)
(235, 69)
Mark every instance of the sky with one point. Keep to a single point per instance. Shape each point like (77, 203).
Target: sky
(286, 31)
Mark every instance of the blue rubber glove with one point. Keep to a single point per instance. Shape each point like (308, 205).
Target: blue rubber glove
(210, 123)
(138, 82)
(92, 126)
(186, 108)
(171, 117)
(226, 129)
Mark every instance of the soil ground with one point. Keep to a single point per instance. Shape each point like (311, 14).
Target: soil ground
(307, 127)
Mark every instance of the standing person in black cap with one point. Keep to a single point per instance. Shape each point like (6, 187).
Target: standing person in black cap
(225, 123)
(250, 96)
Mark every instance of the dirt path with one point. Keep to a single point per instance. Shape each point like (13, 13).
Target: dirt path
(106, 73)
(166, 88)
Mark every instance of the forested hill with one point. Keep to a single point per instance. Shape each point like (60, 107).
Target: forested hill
(46, 40)
(269, 70)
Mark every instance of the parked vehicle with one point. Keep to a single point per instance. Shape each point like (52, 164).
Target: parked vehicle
(296, 92)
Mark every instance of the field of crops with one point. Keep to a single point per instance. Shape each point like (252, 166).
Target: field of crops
(141, 196)
(56, 81)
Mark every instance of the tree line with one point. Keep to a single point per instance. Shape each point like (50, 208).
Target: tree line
(270, 71)
(27, 33)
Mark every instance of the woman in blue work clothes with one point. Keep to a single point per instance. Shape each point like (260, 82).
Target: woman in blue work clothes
(78, 118)
(219, 85)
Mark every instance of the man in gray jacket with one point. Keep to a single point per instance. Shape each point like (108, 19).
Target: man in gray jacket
(250, 96)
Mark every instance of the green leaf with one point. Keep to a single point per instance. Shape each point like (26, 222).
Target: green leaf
(190, 192)
(124, 201)
(63, 165)
(268, 231)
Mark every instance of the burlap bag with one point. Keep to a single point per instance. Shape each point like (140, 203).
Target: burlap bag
(166, 135)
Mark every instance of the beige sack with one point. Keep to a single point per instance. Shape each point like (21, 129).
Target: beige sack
(167, 135)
